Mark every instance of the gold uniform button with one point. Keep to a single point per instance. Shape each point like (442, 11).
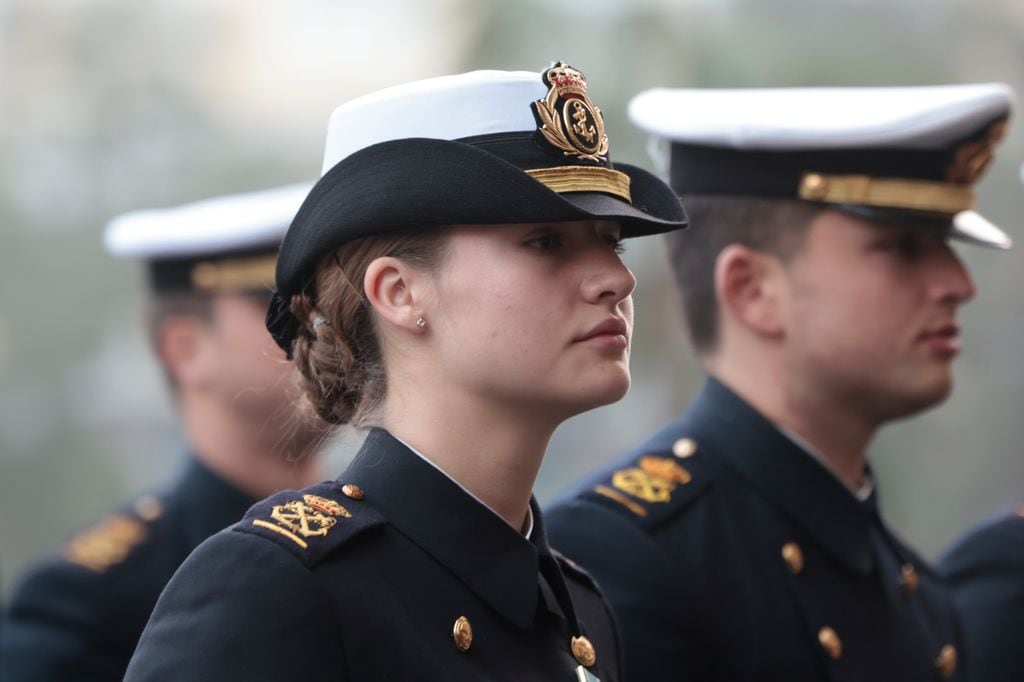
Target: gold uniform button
(149, 508)
(793, 557)
(353, 491)
(945, 662)
(684, 447)
(463, 634)
(830, 642)
(814, 186)
(583, 650)
(908, 578)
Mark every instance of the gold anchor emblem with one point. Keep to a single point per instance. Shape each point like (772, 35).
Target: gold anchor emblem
(653, 481)
(568, 120)
(310, 517)
(638, 483)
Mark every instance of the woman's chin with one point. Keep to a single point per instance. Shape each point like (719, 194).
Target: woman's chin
(611, 390)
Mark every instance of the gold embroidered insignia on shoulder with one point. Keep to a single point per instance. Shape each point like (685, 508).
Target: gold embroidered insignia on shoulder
(312, 516)
(654, 479)
(105, 544)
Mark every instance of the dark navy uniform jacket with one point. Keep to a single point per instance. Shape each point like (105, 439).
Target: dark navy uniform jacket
(986, 572)
(78, 615)
(729, 553)
(392, 572)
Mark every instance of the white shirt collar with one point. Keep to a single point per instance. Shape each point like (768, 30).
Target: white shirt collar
(526, 530)
(866, 487)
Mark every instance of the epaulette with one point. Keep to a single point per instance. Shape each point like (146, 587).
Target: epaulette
(655, 484)
(311, 523)
(111, 541)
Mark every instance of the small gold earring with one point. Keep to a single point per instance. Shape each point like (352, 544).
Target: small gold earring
(421, 323)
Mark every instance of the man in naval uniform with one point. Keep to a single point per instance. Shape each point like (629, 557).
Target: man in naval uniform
(79, 613)
(985, 570)
(744, 540)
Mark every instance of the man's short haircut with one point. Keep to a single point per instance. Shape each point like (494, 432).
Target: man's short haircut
(774, 226)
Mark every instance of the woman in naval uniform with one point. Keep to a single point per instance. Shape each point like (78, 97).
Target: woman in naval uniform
(453, 281)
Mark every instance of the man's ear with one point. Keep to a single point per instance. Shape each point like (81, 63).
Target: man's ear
(185, 347)
(748, 285)
(391, 288)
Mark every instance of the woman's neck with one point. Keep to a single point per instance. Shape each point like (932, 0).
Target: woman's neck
(492, 451)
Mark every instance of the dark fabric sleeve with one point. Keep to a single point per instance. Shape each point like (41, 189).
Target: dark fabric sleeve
(639, 582)
(240, 608)
(54, 628)
(986, 574)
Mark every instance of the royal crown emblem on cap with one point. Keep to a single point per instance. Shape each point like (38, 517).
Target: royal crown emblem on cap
(567, 119)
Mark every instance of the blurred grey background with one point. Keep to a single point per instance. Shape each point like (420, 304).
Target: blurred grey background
(111, 105)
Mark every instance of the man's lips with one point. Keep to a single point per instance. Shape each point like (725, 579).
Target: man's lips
(943, 340)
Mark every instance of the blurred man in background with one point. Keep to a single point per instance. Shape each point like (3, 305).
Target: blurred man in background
(985, 569)
(744, 542)
(78, 615)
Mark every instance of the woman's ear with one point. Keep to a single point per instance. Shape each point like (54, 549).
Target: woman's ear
(748, 285)
(391, 286)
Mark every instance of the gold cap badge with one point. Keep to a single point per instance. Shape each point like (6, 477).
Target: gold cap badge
(567, 119)
(971, 159)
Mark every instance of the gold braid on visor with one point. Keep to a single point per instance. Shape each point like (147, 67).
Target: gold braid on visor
(916, 195)
(239, 274)
(564, 179)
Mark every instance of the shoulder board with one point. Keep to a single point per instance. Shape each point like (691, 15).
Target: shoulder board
(111, 541)
(656, 484)
(311, 523)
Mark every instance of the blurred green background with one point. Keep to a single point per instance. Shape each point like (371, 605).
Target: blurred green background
(110, 105)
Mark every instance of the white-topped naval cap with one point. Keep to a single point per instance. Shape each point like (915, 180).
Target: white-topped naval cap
(210, 226)
(919, 117)
(435, 108)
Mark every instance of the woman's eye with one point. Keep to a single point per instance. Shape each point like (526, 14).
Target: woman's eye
(546, 242)
(614, 241)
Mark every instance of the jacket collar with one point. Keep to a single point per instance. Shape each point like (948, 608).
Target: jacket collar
(207, 502)
(785, 474)
(497, 563)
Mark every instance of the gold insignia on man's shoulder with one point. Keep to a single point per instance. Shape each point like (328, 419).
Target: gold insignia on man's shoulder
(629, 504)
(105, 544)
(639, 483)
(568, 120)
(312, 516)
(653, 479)
(663, 467)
